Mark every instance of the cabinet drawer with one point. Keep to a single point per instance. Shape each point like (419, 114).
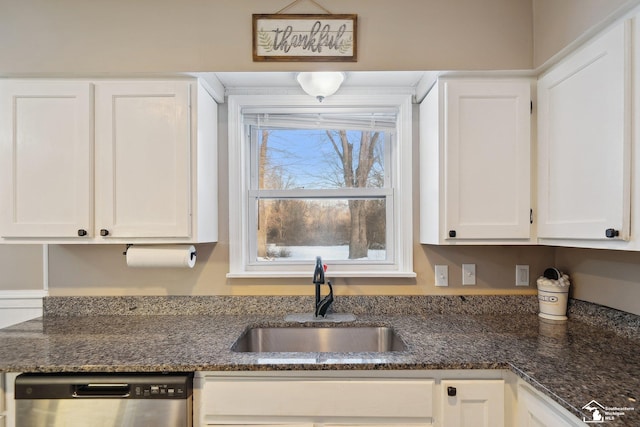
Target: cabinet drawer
(378, 425)
(406, 398)
(263, 425)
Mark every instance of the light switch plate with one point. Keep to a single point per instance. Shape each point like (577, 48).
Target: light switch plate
(522, 275)
(468, 274)
(442, 275)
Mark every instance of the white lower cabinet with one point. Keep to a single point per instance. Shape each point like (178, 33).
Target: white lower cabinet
(7, 405)
(376, 425)
(317, 425)
(354, 398)
(473, 403)
(536, 410)
(313, 399)
(412, 398)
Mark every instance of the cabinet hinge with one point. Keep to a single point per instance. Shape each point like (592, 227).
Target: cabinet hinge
(530, 216)
(531, 106)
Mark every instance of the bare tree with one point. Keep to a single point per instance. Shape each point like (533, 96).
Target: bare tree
(357, 178)
(263, 218)
(294, 223)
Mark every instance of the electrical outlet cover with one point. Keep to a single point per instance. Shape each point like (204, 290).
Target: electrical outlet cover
(468, 274)
(442, 275)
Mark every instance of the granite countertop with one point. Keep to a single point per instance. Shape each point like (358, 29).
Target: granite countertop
(572, 362)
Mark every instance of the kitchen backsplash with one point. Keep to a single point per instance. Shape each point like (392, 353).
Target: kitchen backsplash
(282, 305)
(625, 324)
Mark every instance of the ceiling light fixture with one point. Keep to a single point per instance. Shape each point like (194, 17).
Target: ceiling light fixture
(320, 84)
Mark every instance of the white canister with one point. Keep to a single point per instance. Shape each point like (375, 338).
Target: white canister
(553, 297)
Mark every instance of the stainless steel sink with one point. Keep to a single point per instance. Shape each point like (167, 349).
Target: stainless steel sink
(353, 339)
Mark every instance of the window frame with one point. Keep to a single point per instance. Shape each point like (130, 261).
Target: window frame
(400, 260)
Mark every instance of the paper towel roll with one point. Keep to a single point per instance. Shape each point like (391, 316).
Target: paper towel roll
(176, 256)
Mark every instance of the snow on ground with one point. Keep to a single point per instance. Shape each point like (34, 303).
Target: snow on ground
(326, 252)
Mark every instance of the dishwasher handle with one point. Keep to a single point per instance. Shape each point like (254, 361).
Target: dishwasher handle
(98, 390)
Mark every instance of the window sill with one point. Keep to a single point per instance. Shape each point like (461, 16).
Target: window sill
(308, 274)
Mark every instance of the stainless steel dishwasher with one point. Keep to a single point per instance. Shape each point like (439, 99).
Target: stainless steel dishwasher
(104, 400)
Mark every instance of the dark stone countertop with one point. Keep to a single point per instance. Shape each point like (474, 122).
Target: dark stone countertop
(572, 362)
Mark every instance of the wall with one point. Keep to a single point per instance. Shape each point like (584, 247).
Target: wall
(557, 24)
(123, 36)
(76, 37)
(101, 270)
(21, 267)
(610, 278)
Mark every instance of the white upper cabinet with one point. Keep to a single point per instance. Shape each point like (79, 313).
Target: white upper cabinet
(45, 159)
(584, 140)
(475, 162)
(143, 186)
(132, 161)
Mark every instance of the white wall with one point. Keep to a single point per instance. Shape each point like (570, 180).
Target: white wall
(610, 278)
(80, 37)
(123, 36)
(21, 283)
(101, 270)
(21, 267)
(557, 23)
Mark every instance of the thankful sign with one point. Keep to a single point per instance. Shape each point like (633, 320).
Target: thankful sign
(304, 37)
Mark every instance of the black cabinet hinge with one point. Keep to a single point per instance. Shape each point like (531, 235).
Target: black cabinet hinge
(531, 106)
(530, 216)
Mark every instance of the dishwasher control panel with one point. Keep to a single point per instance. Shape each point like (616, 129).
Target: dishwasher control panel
(159, 390)
(103, 386)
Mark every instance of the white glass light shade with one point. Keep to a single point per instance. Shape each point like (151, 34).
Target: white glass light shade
(321, 83)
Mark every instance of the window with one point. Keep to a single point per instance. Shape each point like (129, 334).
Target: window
(330, 180)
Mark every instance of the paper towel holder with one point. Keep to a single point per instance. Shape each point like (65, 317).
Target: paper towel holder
(193, 254)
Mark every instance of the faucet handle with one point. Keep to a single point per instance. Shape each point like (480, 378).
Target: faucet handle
(318, 272)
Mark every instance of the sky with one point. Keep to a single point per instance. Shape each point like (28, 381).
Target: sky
(307, 157)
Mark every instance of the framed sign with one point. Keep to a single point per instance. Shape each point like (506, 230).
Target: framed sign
(305, 38)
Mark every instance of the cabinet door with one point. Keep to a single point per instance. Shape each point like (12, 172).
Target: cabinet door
(488, 159)
(45, 159)
(143, 186)
(473, 403)
(584, 142)
(534, 412)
